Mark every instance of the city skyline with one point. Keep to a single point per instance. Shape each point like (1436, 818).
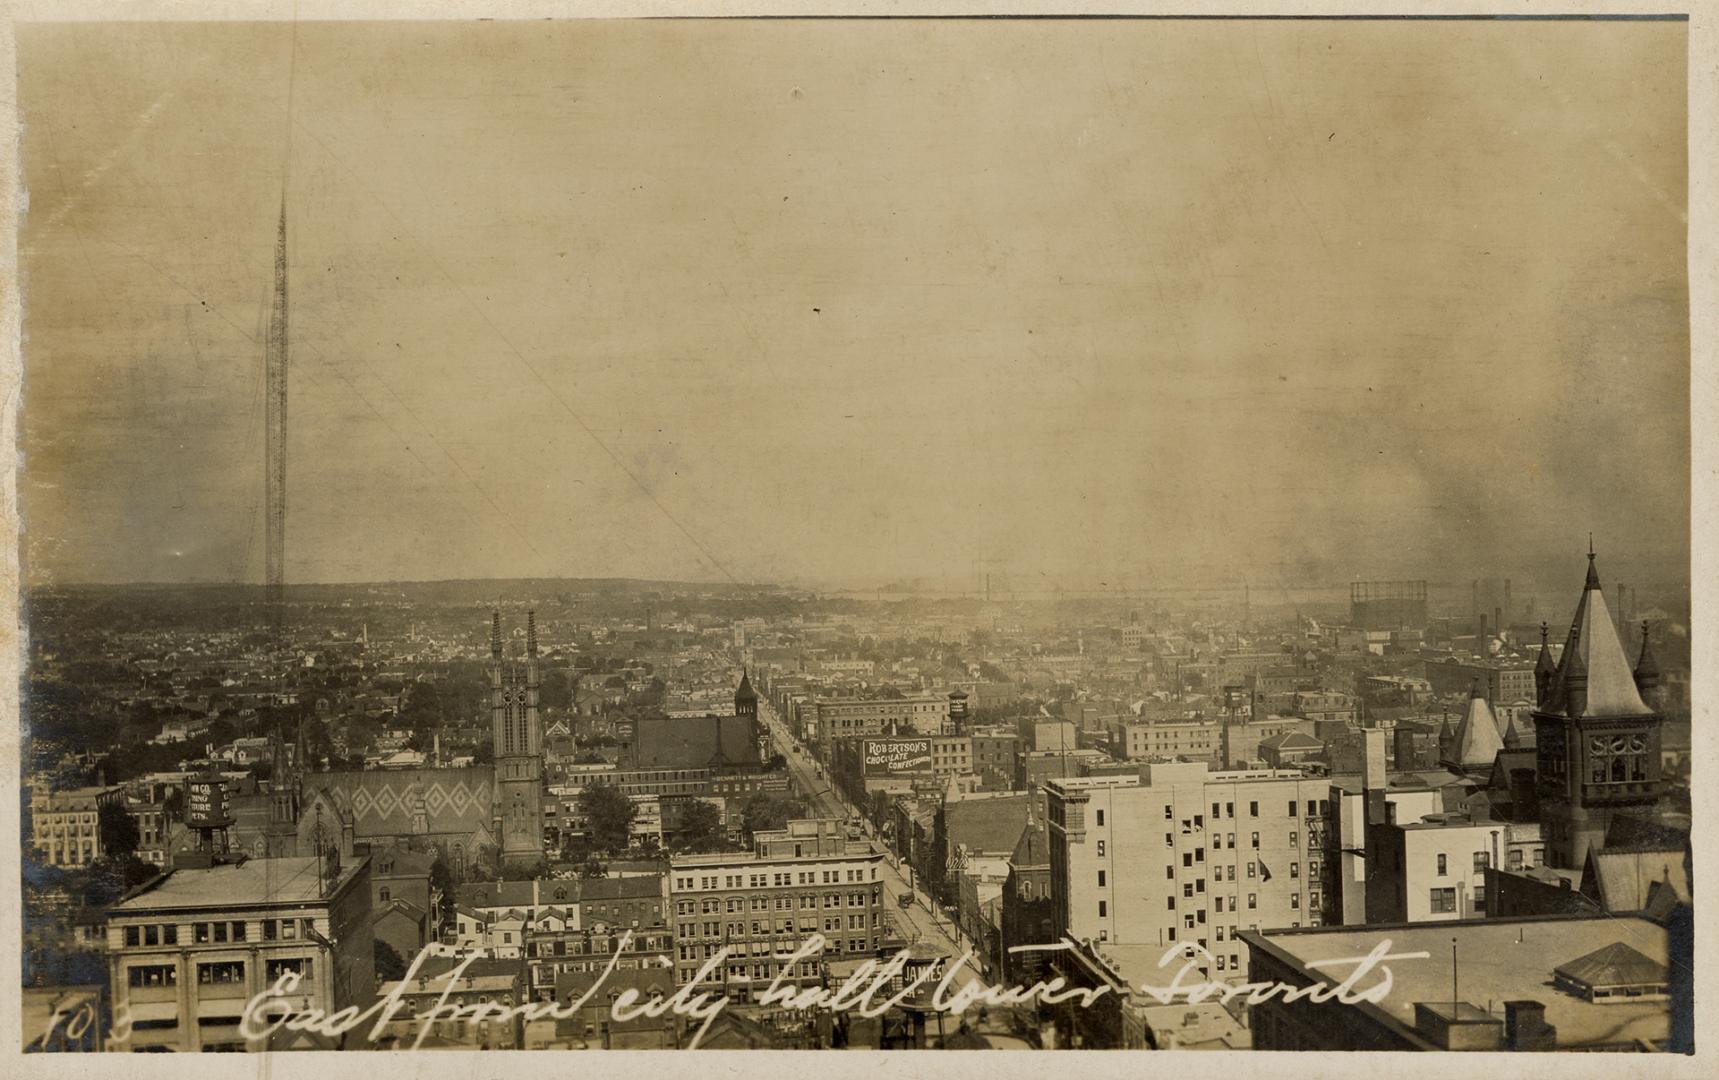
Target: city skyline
(1172, 295)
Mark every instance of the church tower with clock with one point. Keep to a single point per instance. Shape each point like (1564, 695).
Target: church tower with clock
(1596, 737)
(518, 737)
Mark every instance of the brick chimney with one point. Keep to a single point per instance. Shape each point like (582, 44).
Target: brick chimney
(1525, 1027)
(1373, 777)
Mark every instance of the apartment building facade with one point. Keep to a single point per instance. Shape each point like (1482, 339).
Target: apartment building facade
(66, 825)
(1186, 854)
(837, 718)
(762, 905)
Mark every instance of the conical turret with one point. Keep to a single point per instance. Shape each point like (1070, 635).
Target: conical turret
(1544, 669)
(1478, 739)
(1593, 678)
(1647, 678)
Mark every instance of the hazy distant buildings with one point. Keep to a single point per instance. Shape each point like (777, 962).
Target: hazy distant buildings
(1387, 605)
(1500, 681)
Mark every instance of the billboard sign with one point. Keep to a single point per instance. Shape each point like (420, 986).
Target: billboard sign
(205, 806)
(895, 757)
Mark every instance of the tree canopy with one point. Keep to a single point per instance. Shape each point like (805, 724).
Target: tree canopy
(763, 812)
(118, 831)
(390, 966)
(608, 815)
(701, 828)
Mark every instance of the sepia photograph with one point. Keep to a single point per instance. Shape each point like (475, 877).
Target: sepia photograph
(806, 534)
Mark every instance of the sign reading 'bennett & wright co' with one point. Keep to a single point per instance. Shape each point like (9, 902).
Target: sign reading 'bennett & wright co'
(896, 756)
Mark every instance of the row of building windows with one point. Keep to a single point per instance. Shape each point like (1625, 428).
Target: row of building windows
(804, 924)
(777, 879)
(1482, 860)
(219, 973)
(1221, 841)
(1314, 807)
(736, 904)
(1443, 901)
(205, 933)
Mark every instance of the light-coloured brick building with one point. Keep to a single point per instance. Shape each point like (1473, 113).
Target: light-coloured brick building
(1184, 853)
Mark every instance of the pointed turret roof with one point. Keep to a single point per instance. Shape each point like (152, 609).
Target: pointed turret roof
(1594, 653)
(1544, 664)
(1514, 736)
(744, 691)
(1477, 740)
(1646, 666)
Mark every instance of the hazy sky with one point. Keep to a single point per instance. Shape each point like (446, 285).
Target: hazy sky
(789, 300)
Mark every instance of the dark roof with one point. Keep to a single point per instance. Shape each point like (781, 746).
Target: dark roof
(406, 907)
(693, 743)
(434, 967)
(744, 691)
(991, 825)
(399, 861)
(1033, 848)
(1645, 831)
(1291, 740)
(511, 894)
(1616, 964)
(637, 887)
(1646, 665)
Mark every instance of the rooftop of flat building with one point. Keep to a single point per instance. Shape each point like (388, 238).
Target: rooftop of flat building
(1497, 960)
(1450, 821)
(80, 798)
(1181, 772)
(246, 883)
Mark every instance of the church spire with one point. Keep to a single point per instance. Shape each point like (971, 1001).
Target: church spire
(495, 635)
(531, 633)
(1593, 571)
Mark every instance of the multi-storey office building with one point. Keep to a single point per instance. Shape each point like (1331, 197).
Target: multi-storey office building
(762, 906)
(1137, 740)
(553, 950)
(189, 951)
(835, 718)
(1186, 854)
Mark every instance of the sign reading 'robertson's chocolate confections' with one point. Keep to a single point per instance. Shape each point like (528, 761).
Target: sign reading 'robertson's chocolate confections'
(894, 756)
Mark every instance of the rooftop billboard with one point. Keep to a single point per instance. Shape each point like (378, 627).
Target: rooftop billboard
(895, 757)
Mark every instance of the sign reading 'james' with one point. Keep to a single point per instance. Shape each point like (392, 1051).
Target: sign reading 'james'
(897, 755)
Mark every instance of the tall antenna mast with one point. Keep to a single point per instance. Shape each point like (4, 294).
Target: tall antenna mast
(275, 356)
(275, 443)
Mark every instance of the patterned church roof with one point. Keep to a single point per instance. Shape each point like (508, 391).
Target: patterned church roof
(383, 802)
